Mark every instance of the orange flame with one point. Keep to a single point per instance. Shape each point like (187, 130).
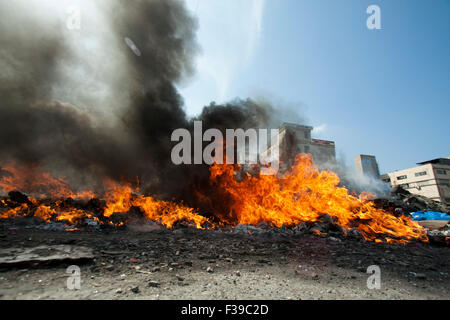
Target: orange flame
(122, 197)
(303, 194)
(38, 183)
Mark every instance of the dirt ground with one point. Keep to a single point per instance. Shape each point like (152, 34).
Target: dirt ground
(195, 264)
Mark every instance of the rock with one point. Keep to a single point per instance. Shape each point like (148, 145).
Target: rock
(154, 284)
(156, 269)
(238, 273)
(179, 278)
(135, 290)
(118, 291)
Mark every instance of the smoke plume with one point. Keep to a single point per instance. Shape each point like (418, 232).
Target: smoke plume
(82, 104)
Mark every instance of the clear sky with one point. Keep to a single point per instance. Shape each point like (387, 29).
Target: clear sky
(381, 92)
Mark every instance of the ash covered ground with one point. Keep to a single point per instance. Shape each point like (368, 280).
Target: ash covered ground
(145, 261)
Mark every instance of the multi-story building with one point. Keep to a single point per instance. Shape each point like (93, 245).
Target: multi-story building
(430, 179)
(367, 165)
(294, 139)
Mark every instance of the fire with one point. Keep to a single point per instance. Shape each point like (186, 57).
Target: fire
(39, 183)
(119, 198)
(123, 197)
(304, 194)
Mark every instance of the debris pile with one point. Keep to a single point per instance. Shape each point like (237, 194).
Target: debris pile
(404, 201)
(325, 226)
(304, 201)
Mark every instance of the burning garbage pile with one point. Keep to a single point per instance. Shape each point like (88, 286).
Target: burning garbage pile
(430, 214)
(54, 201)
(302, 200)
(117, 128)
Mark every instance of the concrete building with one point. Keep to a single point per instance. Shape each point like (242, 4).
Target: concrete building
(367, 165)
(430, 179)
(294, 139)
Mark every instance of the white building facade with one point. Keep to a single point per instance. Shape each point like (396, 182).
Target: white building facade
(430, 179)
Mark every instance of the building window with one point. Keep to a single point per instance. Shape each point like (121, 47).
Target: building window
(425, 183)
(420, 174)
(445, 182)
(402, 177)
(440, 171)
(405, 186)
(306, 149)
(387, 180)
(307, 137)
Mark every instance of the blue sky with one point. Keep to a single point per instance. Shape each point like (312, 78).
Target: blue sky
(382, 92)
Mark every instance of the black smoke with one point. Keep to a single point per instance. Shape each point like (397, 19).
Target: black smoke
(88, 142)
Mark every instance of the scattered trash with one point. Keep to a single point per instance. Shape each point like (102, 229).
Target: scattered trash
(430, 215)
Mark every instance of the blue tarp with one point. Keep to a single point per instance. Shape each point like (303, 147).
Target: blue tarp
(430, 215)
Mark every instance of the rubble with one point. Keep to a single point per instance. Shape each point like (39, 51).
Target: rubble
(402, 201)
(437, 237)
